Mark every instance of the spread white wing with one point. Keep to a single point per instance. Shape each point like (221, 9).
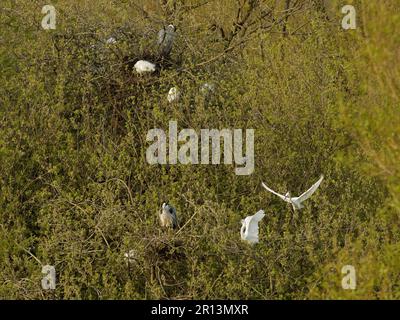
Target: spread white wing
(251, 233)
(276, 193)
(310, 191)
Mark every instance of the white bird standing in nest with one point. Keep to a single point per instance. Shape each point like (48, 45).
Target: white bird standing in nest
(249, 229)
(296, 201)
(173, 95)
(166, 37)
(143, 66)
(168, 216)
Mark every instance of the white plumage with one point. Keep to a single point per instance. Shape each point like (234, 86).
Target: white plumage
(173, 95)
(296, 201)
(111, 40)
(168, 216)
(249, 229)
(143, 66)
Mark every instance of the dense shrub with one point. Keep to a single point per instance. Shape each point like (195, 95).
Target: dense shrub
(76, 191)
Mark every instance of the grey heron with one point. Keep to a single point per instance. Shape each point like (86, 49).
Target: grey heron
(168, 216)
(165, 40)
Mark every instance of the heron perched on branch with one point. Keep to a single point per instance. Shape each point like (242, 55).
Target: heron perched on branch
(168, 216)
(165, 41)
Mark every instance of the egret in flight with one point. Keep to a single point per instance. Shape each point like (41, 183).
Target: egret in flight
(249, 229)
(296, 201)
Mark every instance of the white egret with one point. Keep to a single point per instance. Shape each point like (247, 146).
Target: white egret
(173, 95)
(168, 216)
(296, 201)
(143, 66)
(249, 229)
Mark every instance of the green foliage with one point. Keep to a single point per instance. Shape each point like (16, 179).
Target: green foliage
(76, 191)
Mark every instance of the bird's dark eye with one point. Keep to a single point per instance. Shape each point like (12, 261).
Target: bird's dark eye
(171, 211)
